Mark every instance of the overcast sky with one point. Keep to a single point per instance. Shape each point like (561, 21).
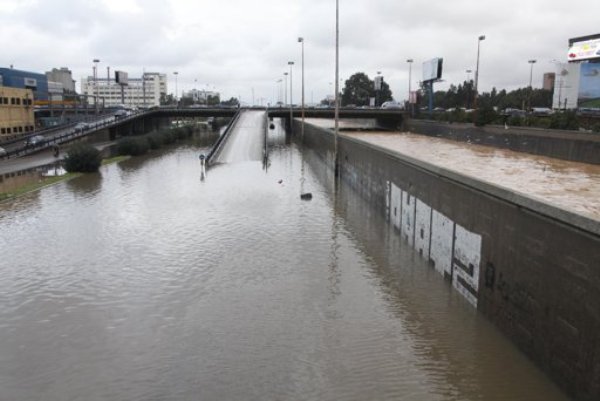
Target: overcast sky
(237, 46)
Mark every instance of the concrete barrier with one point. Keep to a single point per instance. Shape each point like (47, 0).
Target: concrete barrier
(531, 268)
(576, 146)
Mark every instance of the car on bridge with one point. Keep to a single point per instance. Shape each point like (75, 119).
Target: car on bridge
(2, 151)
(36, 140)
(392, 105)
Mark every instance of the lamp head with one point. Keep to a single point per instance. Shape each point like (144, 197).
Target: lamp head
(482, 37)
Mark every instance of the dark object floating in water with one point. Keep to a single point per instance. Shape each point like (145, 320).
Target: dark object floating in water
(280, 181)
(306, 196)
(271, 126)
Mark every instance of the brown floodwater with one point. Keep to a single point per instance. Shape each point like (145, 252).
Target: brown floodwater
(568, 185)
(144, 282)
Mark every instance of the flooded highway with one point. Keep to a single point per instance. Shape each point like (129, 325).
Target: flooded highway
(144, 282)
(568, 185)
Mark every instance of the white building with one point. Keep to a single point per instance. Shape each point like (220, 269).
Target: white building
(64, 76)
(140, 92)
(200, 96)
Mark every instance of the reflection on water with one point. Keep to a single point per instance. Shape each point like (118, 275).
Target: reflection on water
(155, 285)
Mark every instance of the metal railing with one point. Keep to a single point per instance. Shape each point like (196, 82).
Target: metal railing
(71, 135)
(217, 146)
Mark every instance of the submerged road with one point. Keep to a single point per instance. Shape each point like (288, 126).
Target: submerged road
(246, 140)
(143, 282)
(567, 185)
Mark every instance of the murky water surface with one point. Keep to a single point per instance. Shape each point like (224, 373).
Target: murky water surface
(565, 184)
(145, 283)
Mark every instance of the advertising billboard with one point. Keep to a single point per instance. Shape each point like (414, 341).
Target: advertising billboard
(432, 69)
(566, 86)
(121, 78)
(584, 48)
(589, 86)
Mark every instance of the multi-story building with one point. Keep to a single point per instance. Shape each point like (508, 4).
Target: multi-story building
(64, 76)
(38, 83)
(140, 92)
(549, 79)
(16, 112)
(200, 96)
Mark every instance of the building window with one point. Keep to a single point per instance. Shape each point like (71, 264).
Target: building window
(5, 100)
(18, 101)
(2, 130)
(8, 130)
(12, 100)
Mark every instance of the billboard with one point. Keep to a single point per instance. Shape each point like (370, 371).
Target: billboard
(121, 78)
(566, 86)
(432, 69)
(584, 48)
(589, 86)
(377, 82)
(577, 85)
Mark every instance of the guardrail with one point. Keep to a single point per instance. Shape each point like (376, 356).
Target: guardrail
(71, 135)
(217, 146)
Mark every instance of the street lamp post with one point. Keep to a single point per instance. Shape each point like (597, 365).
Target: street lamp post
(410, 61)
(468, 91)
(337, 83)
(176, 89)
(96, 61)
(291, 64)
(482, 37)
(285, 74)
(301, 41)
(531, 62)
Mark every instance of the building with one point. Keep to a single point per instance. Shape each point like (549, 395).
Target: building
(38, 83)
(16, 112)
(200, 96)
(63, 76)
(140, 92)
(578, 79)
(549, 79)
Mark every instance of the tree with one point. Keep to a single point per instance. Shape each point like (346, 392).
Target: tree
(231, 102)
(166, 99)
(83, 158)
(359, 89)
(213, 100)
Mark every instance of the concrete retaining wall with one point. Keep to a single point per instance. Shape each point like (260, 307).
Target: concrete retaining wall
(532, 269)
(567, 145)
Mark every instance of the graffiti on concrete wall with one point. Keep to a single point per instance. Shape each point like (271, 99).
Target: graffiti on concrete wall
(454, 251)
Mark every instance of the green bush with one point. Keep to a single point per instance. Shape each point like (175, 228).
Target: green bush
(133, 146)
(564, 120)
(485, 115)
(83, 158)
(596, 127)
(155, 140)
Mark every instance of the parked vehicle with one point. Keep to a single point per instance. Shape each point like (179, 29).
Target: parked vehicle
(541, 111)
(2, 151)
(121, 113)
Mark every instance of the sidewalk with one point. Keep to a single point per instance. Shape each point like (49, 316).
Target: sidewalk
(43, 158)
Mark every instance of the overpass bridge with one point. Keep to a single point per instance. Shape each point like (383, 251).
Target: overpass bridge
(145, 121)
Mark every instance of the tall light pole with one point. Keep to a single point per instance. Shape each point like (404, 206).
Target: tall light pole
(301, 41)
(468, 92)
(291, 64)
(96, 61)
(285, 74)
(176, 89)
(531, 62)
(482, 37)
(409, 61)
(337, 84)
